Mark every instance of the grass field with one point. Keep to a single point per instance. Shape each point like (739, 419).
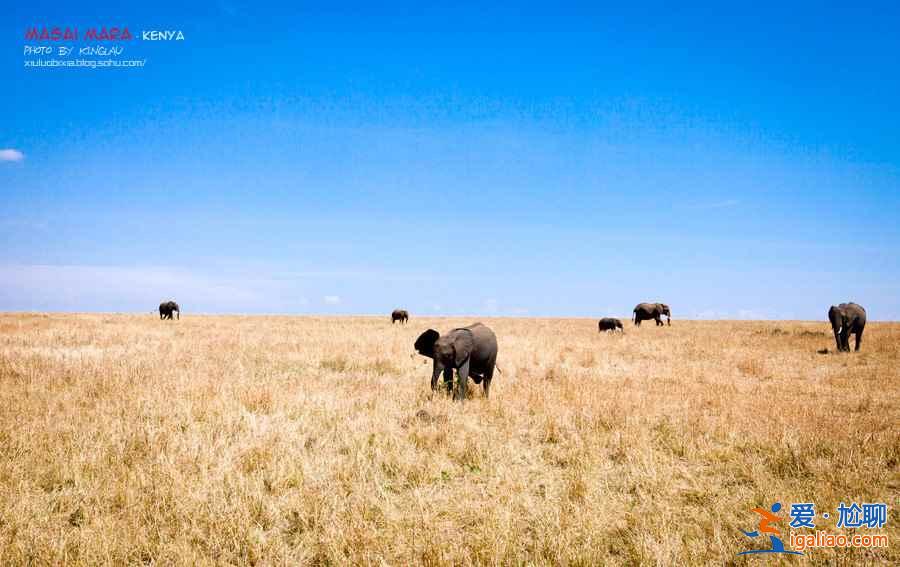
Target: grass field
(304, 440)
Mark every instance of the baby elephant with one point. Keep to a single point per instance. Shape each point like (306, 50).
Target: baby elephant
(610, 324)
(469, 350)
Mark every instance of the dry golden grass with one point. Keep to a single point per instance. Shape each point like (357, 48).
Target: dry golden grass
(283, 440)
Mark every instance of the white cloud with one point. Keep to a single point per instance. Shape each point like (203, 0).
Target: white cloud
(10, 154)
(708, 314)
(332, 299)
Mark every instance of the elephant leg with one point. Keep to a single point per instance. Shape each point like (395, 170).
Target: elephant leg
(487, 380)
(448, 379)
(858, 339)
(462, 388)
(837, 340)
(435, 372)
(845, 339)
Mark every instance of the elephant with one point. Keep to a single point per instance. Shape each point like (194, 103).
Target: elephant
(469, 350)
(401, 315)
(610, 324)
(166, 308)
(645, 311)
(847, 318)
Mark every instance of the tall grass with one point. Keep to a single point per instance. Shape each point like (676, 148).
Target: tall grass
(280, 440)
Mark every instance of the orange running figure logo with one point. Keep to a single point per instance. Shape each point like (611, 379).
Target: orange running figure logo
(765, 527)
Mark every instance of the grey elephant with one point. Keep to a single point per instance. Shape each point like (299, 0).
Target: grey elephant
(470, 350)
(166, 308)
(610, 324)
(847, 318)
(401, 315)
(646, 311)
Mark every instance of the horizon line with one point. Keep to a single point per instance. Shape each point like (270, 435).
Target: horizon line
(387, 315)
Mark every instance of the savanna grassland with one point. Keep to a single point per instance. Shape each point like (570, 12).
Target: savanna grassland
(304, 440)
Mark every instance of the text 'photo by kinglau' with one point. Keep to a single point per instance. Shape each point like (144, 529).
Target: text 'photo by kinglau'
(506, 283)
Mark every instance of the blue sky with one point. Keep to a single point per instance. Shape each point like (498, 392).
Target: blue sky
(517, 159)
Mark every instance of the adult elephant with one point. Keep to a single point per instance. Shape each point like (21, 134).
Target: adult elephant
(469, 350)
(166, 308)
(401, 315)
(609, 324)
(847, 318)
(646, 311)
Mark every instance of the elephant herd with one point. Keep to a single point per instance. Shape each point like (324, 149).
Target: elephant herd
(472, 351)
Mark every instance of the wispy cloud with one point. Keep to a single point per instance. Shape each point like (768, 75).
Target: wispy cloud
(332, 300)
(725, 204)
(136, 288)
(10, 154)
(741, 314)
(20, 224)
(357, 275)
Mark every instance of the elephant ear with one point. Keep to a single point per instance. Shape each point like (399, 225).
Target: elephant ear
(463, 345)
(425, 343)
(835, 316)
